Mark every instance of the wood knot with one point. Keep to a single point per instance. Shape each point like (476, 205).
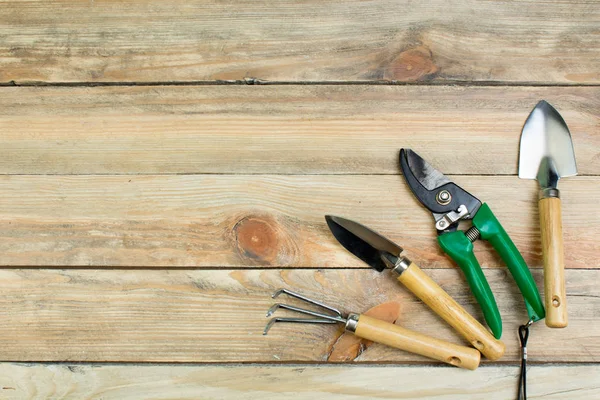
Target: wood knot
(412, 65)
(258, 238)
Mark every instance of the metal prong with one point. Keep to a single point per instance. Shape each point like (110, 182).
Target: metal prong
(272, 322)
(332, 318)
(306, 299)
(321, 318)
(273, 308)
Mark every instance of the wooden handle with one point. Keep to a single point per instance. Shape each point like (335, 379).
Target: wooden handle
(446, 307)
(395, 336)
(554, 263)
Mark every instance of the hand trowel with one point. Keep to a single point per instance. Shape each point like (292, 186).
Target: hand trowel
(546, 154)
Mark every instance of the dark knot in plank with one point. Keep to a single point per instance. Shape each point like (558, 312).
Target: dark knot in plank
(412, 65)
(259, 238)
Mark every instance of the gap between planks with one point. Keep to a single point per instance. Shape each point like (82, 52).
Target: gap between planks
(259, 82)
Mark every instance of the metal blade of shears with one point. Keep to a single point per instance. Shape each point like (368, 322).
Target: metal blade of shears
(426, 175)
(448, 202)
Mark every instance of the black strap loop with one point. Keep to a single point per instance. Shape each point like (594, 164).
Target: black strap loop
(523, 337)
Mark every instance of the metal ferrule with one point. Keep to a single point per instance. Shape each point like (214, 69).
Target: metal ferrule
(352, 322)
(402, 265)
(549, 192)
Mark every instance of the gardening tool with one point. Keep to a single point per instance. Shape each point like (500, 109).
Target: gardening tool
(379, 331)
(547, 154)
(450, 204)
(380, 253)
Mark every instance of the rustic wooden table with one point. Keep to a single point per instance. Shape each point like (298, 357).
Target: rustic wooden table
(165, 166)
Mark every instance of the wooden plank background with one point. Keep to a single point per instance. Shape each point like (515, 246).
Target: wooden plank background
(257, 382)
(218, 316)
(309, 40)
(332, 129)
(259, 220)
(165, 166)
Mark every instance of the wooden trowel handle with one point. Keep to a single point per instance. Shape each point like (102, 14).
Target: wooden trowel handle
(554, 268)
(446, 307)
(417, 343)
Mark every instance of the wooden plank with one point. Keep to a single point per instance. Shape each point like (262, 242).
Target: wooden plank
(382, 40)
(218, 316)
(122, 382)
(260, 221)
(269, 129)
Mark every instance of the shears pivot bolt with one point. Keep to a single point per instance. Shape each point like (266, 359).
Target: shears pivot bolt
(443, 197)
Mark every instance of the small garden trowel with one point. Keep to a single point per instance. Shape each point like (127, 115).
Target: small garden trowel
(547, 154)
(380, 253)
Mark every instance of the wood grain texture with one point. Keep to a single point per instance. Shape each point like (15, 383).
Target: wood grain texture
(301, 382)
(219, 316)
(554, 262)
(232, 182)
(426, 289)
(355, 129)
(260, 221)
(395, 336)
(352, 40)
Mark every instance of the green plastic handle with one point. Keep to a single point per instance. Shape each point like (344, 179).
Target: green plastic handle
(490, 229)
(460, 249)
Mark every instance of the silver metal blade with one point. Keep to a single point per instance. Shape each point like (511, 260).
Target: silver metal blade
(428, 176)
(361, 241)
(546, 151)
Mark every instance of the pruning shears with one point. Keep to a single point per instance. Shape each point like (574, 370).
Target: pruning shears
(450, 204)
